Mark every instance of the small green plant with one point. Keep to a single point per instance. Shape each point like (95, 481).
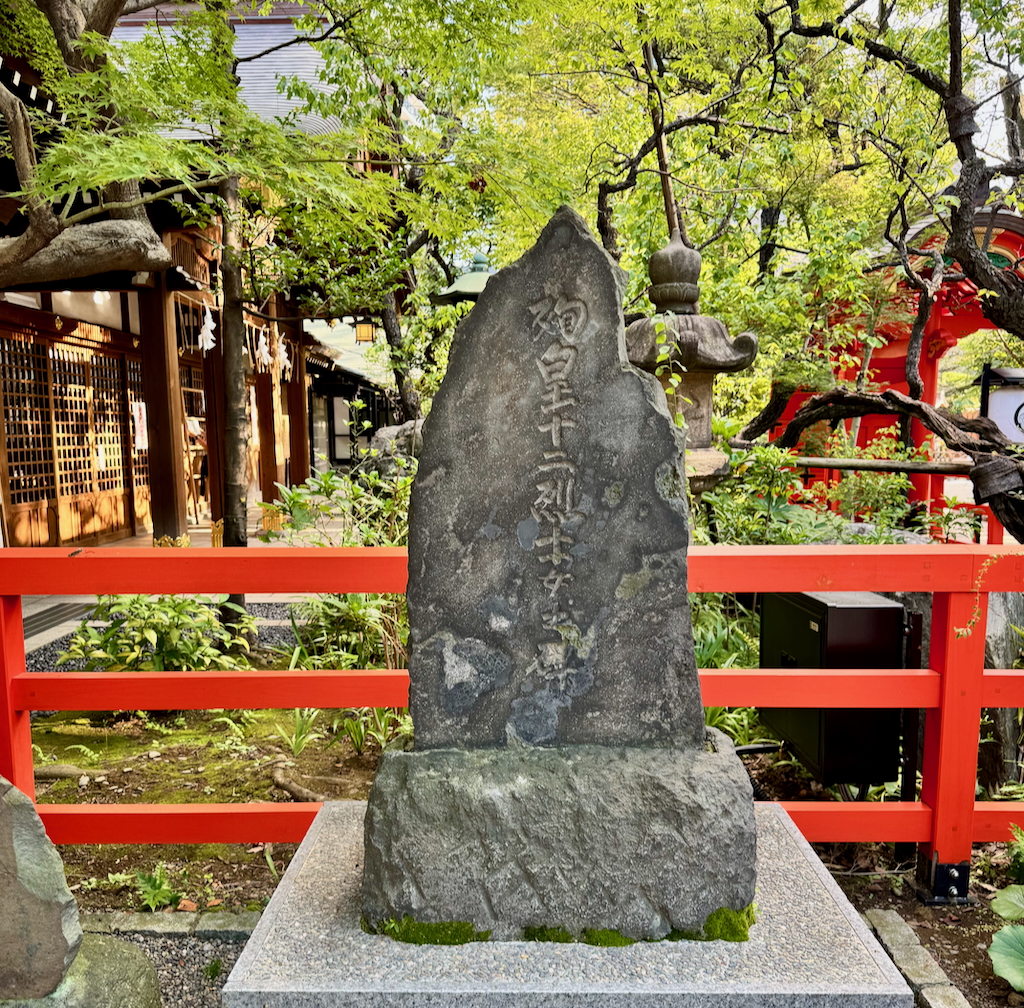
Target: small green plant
(303, 731)
(213, 969)
(86, 755)
(605, 938)
(741, 724)
(237, 725)
(1015, 848)
(154, 889)
(725, 633)
(155, 633)
(1007, 948)
(353, 724)
(722, 924)
(114, 880)
(389, 728)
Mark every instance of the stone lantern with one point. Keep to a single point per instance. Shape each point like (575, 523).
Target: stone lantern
(695, 348)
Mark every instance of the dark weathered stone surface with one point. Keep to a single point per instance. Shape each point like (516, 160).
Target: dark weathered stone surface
(642, 840)
(107, 973)
(39, 929)
(547, 557)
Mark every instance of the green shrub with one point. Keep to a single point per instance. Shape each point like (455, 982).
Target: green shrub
(157, 633)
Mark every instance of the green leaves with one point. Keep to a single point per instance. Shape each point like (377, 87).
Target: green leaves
(147, 633)
(1009, 903)
(1007, 955)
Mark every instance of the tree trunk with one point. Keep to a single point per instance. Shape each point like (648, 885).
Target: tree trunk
(236, 421)
(407, 394)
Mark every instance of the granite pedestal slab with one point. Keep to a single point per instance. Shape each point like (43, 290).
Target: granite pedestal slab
(809, 948)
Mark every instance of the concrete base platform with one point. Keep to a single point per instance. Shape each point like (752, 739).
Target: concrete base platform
(809, 948)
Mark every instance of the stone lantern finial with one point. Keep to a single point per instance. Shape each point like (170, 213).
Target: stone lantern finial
(692, 346)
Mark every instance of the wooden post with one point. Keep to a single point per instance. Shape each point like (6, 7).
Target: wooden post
(15, 729)
(298, 417)
(268, 408)
(161, 383)
(213, 383)
(951, 731)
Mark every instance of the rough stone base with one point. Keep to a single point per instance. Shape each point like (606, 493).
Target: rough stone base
(640, 841)
(107, 973)
(809, 948)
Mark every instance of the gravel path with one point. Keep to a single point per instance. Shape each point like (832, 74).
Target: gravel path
(191, 970)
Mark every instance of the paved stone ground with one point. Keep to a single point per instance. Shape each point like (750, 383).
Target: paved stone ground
(194, 953)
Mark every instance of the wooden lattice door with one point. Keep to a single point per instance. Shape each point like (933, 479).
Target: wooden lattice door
(31, 482)
(89, 421)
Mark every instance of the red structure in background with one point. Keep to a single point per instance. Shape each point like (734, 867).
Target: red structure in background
(956, 313)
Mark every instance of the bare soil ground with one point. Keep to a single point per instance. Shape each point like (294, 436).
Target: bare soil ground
(189, 757)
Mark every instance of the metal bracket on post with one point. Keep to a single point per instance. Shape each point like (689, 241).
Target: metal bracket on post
(943, 884)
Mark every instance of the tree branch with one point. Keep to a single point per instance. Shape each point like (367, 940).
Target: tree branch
(42, 224)
(928, 78)
(841, 403)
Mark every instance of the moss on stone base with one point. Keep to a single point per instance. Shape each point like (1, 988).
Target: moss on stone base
(415, 932)
(722, 924)
(547, 934)
(605, 937)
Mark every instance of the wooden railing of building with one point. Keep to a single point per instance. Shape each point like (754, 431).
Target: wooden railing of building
(952, 690)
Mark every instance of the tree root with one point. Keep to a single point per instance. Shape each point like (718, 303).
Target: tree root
(62, 771)
(297, 791)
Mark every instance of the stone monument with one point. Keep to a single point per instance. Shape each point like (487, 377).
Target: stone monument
(562, 775)
(44, 960)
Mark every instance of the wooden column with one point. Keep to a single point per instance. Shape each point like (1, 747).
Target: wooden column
(298, 417)
(161, 384)
(213, 384)
(268, 406)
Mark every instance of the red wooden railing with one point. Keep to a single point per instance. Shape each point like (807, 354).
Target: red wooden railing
(953, 690)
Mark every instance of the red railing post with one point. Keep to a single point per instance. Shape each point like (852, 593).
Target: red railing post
(15, 730)
(993, 528)
(949, 770)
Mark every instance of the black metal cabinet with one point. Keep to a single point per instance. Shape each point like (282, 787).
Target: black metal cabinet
(836, 630)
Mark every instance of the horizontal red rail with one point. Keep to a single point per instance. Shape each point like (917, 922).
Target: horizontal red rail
(1003, 688)
(856, 822)
(952, 691)
(992, 819)
(32, 571)
(242, 823)
(820, 687)
(390, 688)
(203, 690)
(950, 567)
